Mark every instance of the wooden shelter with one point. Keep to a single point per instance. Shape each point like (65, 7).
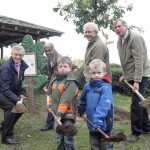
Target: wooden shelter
(13, 31)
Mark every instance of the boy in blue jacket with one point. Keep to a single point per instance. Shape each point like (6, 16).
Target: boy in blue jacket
(97, 102)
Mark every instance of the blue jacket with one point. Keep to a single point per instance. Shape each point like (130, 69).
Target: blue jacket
(97, 101)
(10, 85)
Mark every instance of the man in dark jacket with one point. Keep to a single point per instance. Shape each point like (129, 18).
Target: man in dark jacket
(11, 92)
(52, 58)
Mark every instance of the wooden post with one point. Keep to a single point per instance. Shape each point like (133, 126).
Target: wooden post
(1, 52)
(30, 93)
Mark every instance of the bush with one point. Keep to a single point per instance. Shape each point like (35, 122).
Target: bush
(116, 86)
(38, 83)
(80, 76)
(3, 60)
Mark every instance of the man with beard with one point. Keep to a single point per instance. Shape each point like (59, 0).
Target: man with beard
(52, 58)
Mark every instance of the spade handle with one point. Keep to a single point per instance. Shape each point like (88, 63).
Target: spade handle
(135, 91)
(99, 130)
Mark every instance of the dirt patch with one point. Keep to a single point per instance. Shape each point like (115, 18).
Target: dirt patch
(121, 115)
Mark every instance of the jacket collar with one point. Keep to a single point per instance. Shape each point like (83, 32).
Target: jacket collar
(23, 65)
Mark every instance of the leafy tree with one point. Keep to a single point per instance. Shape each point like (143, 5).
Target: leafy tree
(34, 83)
(102, 12)
(37, 48)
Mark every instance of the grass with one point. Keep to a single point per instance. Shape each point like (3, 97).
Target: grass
(27, 130)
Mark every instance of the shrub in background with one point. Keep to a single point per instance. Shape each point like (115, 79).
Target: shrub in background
(3, 60)
(117, 87)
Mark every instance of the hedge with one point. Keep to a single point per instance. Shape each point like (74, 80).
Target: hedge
(117, 87)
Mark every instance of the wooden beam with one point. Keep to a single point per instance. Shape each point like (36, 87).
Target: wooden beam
(1, 52)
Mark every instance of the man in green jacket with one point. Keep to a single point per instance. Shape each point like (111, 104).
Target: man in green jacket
(96, 48)
(134, 61)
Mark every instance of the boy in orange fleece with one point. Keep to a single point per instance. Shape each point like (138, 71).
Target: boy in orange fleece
(63, 90)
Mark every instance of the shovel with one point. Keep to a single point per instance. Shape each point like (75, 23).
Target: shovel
(61, 128)
(19, 108)
(64, 129)
(145, 103)
(116, 138)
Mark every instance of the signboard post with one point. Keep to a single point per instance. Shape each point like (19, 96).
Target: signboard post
(31, 71)
(30, 59)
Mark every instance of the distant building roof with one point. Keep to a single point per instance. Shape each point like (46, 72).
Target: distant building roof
(13, 30)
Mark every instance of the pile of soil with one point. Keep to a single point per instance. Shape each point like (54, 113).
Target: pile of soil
(121, 115)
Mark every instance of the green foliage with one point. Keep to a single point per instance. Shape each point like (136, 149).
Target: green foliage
(148, 88)
(117, 87)
(38, 83)
(122, 88)
(113, 65)
(102, 12)
(37, 48)
(78, 62)
(80, 76)
(28, 43)
(3, 60)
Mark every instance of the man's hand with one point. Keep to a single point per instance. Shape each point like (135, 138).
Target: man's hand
(79, 115)
(18, 103)
(95, 127)
(121, 78)
(136, 86)
(19, 108)
(22, 97)
(45, 89)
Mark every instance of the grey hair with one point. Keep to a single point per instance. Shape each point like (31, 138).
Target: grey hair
(121, 20)
(92, 25)
(50, 45)
(18, 48)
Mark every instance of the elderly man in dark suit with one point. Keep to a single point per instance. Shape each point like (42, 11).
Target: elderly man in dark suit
(11, 92)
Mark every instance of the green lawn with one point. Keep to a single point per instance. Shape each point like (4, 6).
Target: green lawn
(29, 125)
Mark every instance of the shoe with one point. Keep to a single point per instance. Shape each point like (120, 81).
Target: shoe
(46, 128)
(10, 141)
(133, 138)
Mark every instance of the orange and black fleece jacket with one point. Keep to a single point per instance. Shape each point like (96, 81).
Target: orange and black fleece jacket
(63, 92)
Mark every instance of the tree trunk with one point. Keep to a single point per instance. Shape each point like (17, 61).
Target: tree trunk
(30, 93)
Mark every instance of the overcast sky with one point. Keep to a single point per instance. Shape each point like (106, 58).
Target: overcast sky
(71, 44)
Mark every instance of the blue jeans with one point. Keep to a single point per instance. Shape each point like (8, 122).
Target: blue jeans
(65, 142)
(97, 143)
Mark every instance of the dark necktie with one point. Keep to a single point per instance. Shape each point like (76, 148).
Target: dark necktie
(17, 66)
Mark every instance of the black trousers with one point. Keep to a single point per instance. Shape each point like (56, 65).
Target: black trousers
(50, 120)
(9, 118)
(139, 115)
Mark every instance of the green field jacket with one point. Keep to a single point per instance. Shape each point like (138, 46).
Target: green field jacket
(97, 49)
(133, 57)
